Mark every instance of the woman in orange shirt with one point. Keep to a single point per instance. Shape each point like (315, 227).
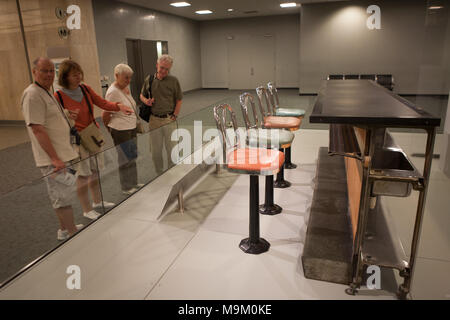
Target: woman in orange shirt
(72, 98)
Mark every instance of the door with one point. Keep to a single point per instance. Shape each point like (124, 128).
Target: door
(262, 60)
(134, 61)
(251, 61)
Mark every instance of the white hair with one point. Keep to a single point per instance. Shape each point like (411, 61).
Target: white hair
(122, 68)
(165, 57)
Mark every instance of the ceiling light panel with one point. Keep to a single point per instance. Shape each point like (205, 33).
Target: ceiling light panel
(203, 12)
(288, 4)
(180, 4)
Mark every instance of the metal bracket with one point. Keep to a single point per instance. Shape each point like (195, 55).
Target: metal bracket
(405, 273)
(419, 186)
(181, 201)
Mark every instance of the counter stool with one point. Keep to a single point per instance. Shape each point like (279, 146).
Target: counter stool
(251, 161)
(276, 122)
(284, 112)
(264, 138)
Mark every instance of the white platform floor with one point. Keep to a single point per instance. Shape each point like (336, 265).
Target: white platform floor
(128, 255)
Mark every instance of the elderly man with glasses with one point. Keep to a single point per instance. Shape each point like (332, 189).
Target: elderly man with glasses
(162, 93)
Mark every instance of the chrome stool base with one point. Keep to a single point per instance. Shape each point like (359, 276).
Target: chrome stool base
(270, 210)
(249, 246)
(280, 182)
(254, 244)
(288, 164)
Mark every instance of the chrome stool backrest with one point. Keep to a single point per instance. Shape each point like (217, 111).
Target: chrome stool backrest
(273, 92)
(262, 92)
(220, 115)
(244, 99)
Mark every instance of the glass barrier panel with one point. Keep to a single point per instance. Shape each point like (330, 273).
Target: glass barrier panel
(192, 128)
(32, 228)
(39, 216)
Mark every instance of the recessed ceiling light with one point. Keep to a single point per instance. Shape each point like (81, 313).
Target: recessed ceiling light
(203, 12)
(288, 4)
(435, 7)
(230, 10)
(180, 4)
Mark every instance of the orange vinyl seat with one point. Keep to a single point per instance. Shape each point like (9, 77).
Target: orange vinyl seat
(275, 122)
(255, 160)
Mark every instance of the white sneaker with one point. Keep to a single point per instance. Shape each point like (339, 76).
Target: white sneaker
(91, 214)
(130, 192)
(106, 204)
(64, 234)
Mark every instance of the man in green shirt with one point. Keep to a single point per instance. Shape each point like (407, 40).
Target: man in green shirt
(165, 98)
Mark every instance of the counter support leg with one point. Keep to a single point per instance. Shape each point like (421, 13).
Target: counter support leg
(405, 288)
(357, 261)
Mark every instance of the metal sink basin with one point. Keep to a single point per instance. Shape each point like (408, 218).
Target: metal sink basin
(394, 173)
(391, 158)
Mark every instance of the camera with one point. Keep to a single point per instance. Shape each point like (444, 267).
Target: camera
(75, 136)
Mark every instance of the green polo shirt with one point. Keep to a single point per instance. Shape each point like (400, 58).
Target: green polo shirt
(166, 93)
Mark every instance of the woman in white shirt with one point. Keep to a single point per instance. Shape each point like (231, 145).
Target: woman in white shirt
(123, 128)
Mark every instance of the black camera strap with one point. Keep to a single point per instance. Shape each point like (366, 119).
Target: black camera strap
(83, 88)
(150, 82)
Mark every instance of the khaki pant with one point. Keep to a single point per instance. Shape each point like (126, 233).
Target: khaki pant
(160, 133)
(87, 166)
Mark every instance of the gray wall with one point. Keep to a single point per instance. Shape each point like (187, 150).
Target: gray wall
(413, 44)
(112, 27)
(214, 54)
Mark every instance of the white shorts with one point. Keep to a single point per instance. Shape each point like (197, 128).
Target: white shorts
(61, 195)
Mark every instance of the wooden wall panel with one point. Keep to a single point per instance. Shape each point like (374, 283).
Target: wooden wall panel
(41, 32)
(13, 63)
(354, 183)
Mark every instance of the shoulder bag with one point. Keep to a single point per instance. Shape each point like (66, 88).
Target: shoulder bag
(144, 110)
(91, 136)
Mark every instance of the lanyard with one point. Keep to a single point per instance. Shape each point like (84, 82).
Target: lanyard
(57, 102)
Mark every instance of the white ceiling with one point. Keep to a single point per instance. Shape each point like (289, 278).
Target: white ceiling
(219, 7)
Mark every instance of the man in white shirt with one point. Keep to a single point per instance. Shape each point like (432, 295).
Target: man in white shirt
(49, 131)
